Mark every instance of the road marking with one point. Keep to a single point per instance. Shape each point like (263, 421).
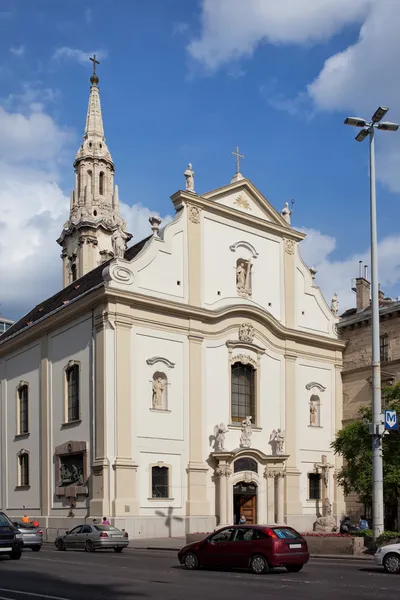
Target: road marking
(32, 594)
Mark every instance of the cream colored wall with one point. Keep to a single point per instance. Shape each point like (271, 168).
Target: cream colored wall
(312, 311)
(23, 366)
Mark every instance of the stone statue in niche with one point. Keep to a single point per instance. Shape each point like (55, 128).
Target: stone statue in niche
(245, 438)
(243, 273)
(313, 413)
(276, 441)
(158, 392)
(119, 243)
(189, 176)
(219, 432)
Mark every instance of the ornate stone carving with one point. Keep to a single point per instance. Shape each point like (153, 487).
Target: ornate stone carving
(289, 246)
(276, 441)
(313, 413)
(219, 433)
(273, 473)
(245, 438)
(242, 202)
(244, 244)
(189, 176)
(121, 274)
(159, 392)
(155, 223)
(194, 214)
(155, 359)
(313, 384)
(223, 471)
(244, 359)
(246, 332)
(335, 305)
(247, 477)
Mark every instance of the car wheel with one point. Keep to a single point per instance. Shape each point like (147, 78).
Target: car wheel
(89, 546)
(16, 555)
(293, 568)
(35, 548)
(118, 549)
(190, 561)
(391, 563)
(60, 545)
(259, 565)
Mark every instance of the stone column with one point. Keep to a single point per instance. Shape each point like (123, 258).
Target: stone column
(339, 505)
(270, 495)
(223, 471)
(293, 505)
(125, 502)
(280, 497)
(197, 504)
(100, 501)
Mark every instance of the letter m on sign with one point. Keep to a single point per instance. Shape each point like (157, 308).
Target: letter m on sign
(391, 419)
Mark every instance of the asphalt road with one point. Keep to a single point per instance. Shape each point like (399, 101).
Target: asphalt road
(74, 575)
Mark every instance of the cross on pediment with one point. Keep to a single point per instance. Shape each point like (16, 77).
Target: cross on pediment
(238, 156)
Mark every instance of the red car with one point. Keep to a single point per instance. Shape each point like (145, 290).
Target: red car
(256, 547)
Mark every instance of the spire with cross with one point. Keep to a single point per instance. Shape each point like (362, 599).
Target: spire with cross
(94, 78)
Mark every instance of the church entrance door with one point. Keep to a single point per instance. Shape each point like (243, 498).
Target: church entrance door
(245, 502)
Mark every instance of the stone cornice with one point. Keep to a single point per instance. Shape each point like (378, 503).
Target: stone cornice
(213, 207)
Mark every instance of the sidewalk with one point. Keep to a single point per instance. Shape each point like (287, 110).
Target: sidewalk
(172, 544)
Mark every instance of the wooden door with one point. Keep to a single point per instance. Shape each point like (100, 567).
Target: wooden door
(248, 508)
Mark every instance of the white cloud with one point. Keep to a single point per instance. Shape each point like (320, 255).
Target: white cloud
(334, 276)
(232, 28)
(66, 53)
(17, 50)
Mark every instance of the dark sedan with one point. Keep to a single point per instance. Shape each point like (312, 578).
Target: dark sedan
(256, 547)
(10, 538)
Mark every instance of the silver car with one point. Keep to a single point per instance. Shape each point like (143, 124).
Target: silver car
(32, 536)
(93, 537)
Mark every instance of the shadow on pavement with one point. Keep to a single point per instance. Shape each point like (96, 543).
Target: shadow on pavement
(24, 584)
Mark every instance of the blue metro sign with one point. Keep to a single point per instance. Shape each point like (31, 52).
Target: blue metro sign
(391, 421)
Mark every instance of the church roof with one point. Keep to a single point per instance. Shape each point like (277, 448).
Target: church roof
(83, 286)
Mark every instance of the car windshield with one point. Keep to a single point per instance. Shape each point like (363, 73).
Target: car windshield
(284, 533)
(106, 528)
(4, 520)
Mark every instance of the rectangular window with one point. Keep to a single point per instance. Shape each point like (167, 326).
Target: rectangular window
(23, 409)
(73, 393)
(384, 347)
(242, 392)
(314, 486)
(160, 482)
(24, 470)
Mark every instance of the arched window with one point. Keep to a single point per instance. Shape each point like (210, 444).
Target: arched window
(101, 183)
(23, 466)
(245, 464)
(23, 408)
(160, 482)
(242, 392)
(72, 375)
(74, 273)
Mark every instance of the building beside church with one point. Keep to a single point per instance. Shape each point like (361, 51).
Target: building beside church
(178, 383)
(354, 329)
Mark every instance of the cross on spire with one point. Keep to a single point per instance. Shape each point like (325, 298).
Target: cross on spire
(95, 62)
(238, 157)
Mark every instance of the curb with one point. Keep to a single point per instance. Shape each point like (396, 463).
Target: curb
(362, 558)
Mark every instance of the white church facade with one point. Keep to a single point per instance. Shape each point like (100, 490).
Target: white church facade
(179, 383)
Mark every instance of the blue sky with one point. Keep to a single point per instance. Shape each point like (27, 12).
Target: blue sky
(184, 81)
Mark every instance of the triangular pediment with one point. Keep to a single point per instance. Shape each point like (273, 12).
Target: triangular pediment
(243, 196)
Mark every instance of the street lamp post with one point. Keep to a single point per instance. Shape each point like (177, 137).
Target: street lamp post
(376, 427)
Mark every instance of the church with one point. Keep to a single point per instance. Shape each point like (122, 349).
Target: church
(181, 382)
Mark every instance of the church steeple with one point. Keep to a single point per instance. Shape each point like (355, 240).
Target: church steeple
(87, 237)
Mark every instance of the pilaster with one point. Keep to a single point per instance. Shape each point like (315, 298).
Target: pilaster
(45, 426)
(125, 501)
(339, 505)
(293, 504)
(195, 271)
(197, 503)
(289, 263)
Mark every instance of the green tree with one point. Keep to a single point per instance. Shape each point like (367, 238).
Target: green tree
(353, 443)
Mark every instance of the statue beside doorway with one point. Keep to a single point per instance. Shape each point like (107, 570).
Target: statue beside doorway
(245, 438)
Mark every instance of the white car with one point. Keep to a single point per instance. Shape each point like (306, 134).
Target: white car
(388, 557)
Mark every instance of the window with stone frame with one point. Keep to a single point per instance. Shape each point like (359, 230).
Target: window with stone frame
(242, 392)
(160, 482)
(23, 465)
(73, 400)
(384, 347)
(74, 272)
(23, 407)
(314, 486)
